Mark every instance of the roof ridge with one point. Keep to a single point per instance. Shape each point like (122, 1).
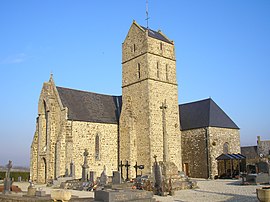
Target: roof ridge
(160, 32)
(84, 91)
(195, 101)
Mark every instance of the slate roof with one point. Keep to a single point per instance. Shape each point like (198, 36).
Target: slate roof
(156, 35)
(91, 107)
(204, 113)
(99, 108)
(250, 152)
(231, 157)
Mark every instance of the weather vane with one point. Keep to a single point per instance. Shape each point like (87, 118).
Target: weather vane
(147, 18)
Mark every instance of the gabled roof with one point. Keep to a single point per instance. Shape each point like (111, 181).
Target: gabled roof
(204, 113)
(250, 152)
(156, 35)
(90, 107)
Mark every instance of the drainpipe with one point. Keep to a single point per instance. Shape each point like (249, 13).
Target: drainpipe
(207, 151)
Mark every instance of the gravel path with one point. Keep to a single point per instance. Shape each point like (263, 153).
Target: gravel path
(215, 190)
(209, 190)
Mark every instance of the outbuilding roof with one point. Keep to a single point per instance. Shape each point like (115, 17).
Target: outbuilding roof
(250, 152)
(204, 113)
(231, 157)
(91, 107)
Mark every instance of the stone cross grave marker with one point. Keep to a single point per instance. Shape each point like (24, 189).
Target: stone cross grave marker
(163, 107)
(7, 181)
(85, 166)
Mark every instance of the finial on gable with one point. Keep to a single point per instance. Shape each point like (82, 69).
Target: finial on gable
(51, 77)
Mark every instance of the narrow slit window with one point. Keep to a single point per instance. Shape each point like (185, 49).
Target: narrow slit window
(134, 48)
(161, 46)
(97, 147)
(167, 73)
(157, 70)
(139, 70)
(46, 123)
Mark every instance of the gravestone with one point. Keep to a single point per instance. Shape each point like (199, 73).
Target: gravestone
(85, 166)
(263, 167)
(116, 179)
(92, 178)
(7, 181)
(103, 177)
(31, 190)
(66, 173)
(123, 196)
(40, 192)
(158, 189)
(72, 170)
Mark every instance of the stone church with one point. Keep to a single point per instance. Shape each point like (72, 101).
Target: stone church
(145, 121)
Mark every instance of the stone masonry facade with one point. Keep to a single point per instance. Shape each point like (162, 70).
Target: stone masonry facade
(149, 78)
(58, 142)
(201, 147)
(148, 123)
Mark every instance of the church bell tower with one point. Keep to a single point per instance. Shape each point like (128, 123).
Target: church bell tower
(149, 122)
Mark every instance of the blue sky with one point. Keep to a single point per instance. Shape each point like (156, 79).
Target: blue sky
(222, 51)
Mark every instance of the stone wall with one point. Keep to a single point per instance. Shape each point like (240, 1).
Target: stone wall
(84, 136)
(194, 152)
(201, 147)
(34, 157)
(58, 141)
(263, 147)
(50, 123)
(217, 138)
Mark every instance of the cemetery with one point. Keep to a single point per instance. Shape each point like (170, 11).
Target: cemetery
(165, 184)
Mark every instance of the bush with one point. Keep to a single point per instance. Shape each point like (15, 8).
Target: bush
(24, 175)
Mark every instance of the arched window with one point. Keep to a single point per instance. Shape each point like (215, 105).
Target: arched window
(226, 148)
(139, 70)
(97, 154)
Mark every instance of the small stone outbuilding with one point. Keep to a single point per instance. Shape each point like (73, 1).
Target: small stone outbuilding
(207, 132)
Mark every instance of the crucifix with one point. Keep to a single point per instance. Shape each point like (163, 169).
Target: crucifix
(121, 168)
(163, 107)
(136, 168)
(127, 165)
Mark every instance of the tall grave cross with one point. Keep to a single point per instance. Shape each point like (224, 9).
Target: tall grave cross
(85, 166)
(121, 165)
(127, 165)
(163, 107)
(7, 181)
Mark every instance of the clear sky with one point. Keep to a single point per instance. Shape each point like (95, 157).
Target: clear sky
(222, 52)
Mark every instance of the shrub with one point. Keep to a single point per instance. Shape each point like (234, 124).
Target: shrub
(24, 175)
